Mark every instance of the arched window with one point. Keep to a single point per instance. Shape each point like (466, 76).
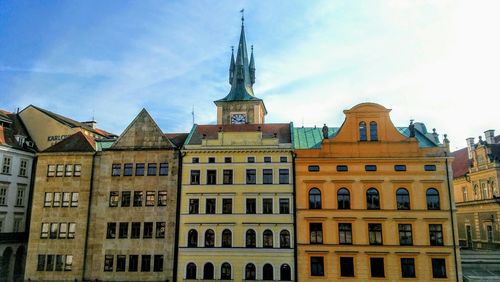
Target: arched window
(209, 238)
(250, 239)
(372, 199)
(284, 239)
(250, 272)
(191, 271)
(268, 272)
(343, 199)
(192, 238)
(314, 198)
(267, 239)
(226, 238)
(403, 199)
(432, 196)
(225, 271)
(208, 271)
(362, 131)
(373, 131)
(285, 273)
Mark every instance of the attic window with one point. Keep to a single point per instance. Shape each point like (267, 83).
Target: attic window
(211, 160)
(400, 167)
(430, 167)
(313, 168)
(370, 168)
(195, 160)
(342, 168)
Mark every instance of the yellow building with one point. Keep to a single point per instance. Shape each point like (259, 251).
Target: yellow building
(373, 202)
(236, 208)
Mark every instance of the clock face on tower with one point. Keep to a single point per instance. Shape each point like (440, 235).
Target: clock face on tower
(238, 119)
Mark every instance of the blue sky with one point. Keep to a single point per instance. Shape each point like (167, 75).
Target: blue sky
(433, 61)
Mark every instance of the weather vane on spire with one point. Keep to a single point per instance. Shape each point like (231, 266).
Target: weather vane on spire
(242, 11)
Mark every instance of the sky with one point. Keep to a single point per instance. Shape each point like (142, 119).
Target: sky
(433, 61)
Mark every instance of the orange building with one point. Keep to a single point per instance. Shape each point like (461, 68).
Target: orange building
(373, 201)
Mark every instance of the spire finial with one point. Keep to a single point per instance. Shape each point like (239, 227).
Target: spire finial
(242, 11)
(232, 49)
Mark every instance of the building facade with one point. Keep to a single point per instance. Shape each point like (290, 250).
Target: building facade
(476, 172)
(373, 202)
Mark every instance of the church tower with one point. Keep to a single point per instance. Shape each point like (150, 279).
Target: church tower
(241, 106)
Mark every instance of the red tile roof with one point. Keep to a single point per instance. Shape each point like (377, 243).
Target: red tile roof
(461, 163)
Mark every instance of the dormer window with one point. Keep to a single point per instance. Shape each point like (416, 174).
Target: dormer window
(362, 131)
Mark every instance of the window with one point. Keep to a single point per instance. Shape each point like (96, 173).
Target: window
(400, 167)
(377, 267)
(133, 263)
(113, 198)
(346, 267)
(211, 177)
(267, 272)
(158, 263)
(438, 268)
(23, 168)
(314, 198)
(74, 199)
(194, 205)
(407, 267)
(195, 160)
(362, 131)
(116, 169)
(405, 235)
(436, 234)
(284, 206)
(432, 196)
(284, 176)
(225, 271)
(121, 262)
(251, 206)
(285, 273)
(373, 131)
(345, 233)
(59, 262)
(227, 160)
(63, 230)
(195, 177)
(227, 176)
(3, 194)
(138, 198)
(146, 263)
(251, 176)
(69, 263)
(209, 238)
(226, 238)
(227, 206)
(211, 160)
(53, 230)
(72, 230)
(267, 159)
(148, 230)
(111, 231)
(403, 199)
(267, 176)
(250, 272)
(135, 231)
(317, 267)
(370, 168)
(127, 169)
(283, 159)
(108, 262)
(139, 169)
(316, 233)
(208, 271)
(150, 198)
(20, 197)
(40, 266)
(284, 239)
(47, 202)
(372, 199)
(342, 168)
(430, 167)
(125, 199)
(250, 239)
(57, 199)
(6, 165)
(77, 171)
(123, 230)
(313, 168)
(44, 231)
(66, 198)
(50, 263)
(51, 170)
(343, 199)
(267, 206)
(267, 239)
(151, 169)
(210, 206)
(59, 170)
(375, 233)
(191, 271)
(163, 169)
(162, 198)
(251, 159)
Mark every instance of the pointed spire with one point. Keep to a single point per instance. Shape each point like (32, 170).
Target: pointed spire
(252, 68)
(231, 67)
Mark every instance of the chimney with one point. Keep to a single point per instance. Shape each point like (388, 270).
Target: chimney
(470, 145)
(490, 136)
(91, 123)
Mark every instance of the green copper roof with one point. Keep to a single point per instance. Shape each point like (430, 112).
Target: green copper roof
(103, 144)
(423, 141)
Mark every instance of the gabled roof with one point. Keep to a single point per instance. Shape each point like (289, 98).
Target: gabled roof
(78, 142)
(12, 127)
(461, 162)
(177, 138)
